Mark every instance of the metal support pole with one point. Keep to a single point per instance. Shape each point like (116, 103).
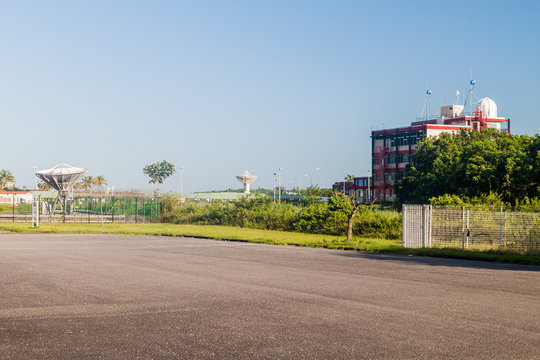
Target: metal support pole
(423, 226)
(430, 209)
(500, 230)
(404, 225)
(136, 209)
(279, 185)
(13, 207)
(468, 229)
(181, 179)
(463, 228)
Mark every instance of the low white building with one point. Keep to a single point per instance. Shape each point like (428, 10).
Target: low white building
(15, 197)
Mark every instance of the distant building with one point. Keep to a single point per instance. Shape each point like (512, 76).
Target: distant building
(15, 196)
(359, 188)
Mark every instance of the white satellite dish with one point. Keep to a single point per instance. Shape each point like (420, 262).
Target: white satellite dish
(246, 179)
(61, 177)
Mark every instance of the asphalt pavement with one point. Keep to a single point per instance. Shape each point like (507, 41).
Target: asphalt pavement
(142, 297)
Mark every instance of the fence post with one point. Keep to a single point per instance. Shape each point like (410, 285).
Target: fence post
(112, 209)
(136, 209)
(404, 226)
(468, 229)
(13, 207)
(423, 226)
(430, 207)
(463, 228)
(505, 240)
(500, 230)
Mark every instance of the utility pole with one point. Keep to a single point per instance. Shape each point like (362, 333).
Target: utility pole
(279, 185)
(181, 170)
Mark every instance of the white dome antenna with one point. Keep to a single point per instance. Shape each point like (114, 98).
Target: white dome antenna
(488, 107)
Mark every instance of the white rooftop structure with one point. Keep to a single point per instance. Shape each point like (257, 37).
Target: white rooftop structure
(488, 107)
(246, 179)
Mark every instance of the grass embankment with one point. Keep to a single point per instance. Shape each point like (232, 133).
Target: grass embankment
(271, 237)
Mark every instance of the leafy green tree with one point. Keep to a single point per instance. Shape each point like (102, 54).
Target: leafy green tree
(473, 164)
(159, 171)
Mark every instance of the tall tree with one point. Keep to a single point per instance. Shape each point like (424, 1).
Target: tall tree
(158, 172)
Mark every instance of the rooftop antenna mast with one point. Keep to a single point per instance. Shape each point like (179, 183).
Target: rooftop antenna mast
(426, 104)
(470, 95)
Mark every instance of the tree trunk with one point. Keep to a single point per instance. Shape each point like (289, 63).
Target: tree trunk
(351, 221)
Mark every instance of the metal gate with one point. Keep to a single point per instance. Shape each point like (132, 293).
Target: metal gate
(417, 226)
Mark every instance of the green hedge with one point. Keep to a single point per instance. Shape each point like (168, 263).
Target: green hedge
(312, 216)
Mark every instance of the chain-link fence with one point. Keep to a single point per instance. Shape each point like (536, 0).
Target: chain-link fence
(87, 209)
(471, 228)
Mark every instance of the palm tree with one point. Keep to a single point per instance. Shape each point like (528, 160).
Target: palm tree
(87, 182)
(6, 177)
(43, 186)
(100, 181)
(348, 179)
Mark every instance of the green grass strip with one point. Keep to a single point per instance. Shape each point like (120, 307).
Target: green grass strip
(271, 237)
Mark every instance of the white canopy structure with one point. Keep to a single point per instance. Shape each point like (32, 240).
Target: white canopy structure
(246, 179)
(62, 177)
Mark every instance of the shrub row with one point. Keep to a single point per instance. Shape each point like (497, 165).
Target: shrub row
(309, 217)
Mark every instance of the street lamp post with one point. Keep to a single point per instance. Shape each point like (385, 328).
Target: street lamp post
(368, 187)
(275, 174)
(279, 185)
(181, 171)
(311, 176)
(35, 171)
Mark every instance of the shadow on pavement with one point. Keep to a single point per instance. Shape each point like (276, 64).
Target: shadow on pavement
(440, 261)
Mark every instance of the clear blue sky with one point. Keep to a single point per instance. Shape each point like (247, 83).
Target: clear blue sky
(221, 87)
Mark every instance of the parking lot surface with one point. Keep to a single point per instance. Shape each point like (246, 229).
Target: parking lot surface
(141, 297)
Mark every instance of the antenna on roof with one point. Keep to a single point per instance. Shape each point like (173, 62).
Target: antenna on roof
(470, 95)
(426, 104)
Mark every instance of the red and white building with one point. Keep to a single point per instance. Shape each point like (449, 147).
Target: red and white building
(359, 188)
(393, 149)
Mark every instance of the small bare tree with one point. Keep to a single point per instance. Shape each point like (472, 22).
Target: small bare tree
(354, 209)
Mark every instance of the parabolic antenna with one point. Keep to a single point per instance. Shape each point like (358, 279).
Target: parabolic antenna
(61, 177)
(246, 179)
